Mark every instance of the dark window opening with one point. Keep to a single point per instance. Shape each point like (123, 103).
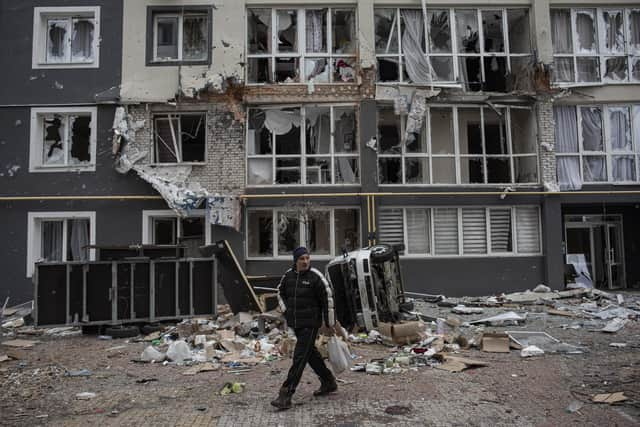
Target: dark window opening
(80, 139)
(180, 138)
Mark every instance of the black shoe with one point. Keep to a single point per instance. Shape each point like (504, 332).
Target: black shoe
(326, 387)
(283, 401)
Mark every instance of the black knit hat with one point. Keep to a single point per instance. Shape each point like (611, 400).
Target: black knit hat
(298, 252)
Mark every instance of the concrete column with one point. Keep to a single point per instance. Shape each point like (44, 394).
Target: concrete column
(546, 142)
(541, 25)
(552, 242)
(366, 33)
(368, 157)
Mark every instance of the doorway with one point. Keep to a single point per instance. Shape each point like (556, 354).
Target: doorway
(594, 250)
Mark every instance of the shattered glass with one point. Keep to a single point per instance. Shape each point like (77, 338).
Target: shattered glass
(53, 141)
(595, 169)
(316, 31)
(259, 139)
(467, 31)
(259, 70)
(492, 31)
(587, 41)
(588, 69)
(439, 31)
(82, 40)
(389, 137)
(634, 30)
(260, 171)
(386, 31)
(613, 31)
(635, 69)
(79, 152)
(443, 67)
(344, 28)
(288, 171)
(286, 22)
(259, 31)
(388, 70)
(523, 131)
(499, 170)
(416, 170)
(194, 39)
(316, 69)
(318, 170)
(318, 130)
(344, 127)
(472, 170)
(346, 170)
(390, 170)
(519, 27)
(57, 46)
(286, 70)
(615, 69)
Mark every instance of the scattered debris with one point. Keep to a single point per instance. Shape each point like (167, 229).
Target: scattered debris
(574, 406)
(19, 343)
(78, 373)
(230, 388)
(146, 380)
(462, 309)
(508, 318)
(85, 396)
(205, 367)
(618, 344)
(610, 398)
(495, 343)
(615, 325)
(397, 410)
(458, 364)
(531, 351)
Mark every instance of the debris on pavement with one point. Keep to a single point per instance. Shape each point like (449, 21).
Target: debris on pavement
(574, 406)
(508, 318)
(230, 388)
(531, 351)
(20, 343)
(615, 325)
(462, 309)
(610, 398)
(85, 395)
(495, 343)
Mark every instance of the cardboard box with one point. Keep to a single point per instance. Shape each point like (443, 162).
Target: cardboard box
(401, 333)
(495, 343)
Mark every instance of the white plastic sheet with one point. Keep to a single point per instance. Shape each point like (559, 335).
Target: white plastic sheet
(339, 355)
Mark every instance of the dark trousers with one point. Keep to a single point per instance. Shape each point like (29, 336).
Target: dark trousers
(306, 352)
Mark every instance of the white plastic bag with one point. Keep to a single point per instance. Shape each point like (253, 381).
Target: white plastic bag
(339, 355)
(178, 351)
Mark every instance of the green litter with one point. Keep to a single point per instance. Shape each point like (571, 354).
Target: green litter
(230, 388)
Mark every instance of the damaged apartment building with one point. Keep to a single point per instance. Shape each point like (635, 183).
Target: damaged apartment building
(498, 142)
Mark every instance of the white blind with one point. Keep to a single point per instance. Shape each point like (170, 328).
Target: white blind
(528, 230)
(418, 231)
(390, 226)
(474, 231)
(500, 221)
(445, 223)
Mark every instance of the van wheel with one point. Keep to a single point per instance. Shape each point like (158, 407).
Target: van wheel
(381, 253)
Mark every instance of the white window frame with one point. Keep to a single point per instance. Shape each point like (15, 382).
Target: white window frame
(301, 53)
(601, 53)
(608, 152)
(36, 139)
(40, 34)
(303, 156)
(34, 233)
(457, 156)
(455, 54)
(490, 254)
(178, 132)
(180, 16)
(149, 214)
(303, 238)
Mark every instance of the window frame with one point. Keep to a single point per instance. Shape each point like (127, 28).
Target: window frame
(34, 234)
(303, 156)
(514, 253)
(601, 54)
(301, 55)
(455, 53)
(39, 42)
(511, 154)
(168, 116)
(153, 12)
(148, 215)
(36, 139)
(608, 151)
(275, 255)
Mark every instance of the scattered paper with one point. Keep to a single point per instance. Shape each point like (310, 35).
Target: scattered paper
(20, 343)
(610, 398)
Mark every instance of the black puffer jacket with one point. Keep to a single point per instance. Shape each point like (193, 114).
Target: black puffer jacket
(306, 299)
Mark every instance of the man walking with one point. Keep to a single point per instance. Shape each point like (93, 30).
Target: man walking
(306, 299)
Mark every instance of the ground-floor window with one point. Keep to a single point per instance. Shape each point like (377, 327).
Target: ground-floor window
(277, 232)
(164, 227)
(468, 231)
(59, 236)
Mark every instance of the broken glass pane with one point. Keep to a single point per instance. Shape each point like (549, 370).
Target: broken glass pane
(260, 171)
(469, 131)
(390, 170)
(318, 233)
(52, 240)
(588, 69)
(346, 170)
(193, 133)
(623, 168)
(289, 142)
(595, 169)
(167, 145)
(492, 31)
(80, 139)
(53, 142)
(523, 131)
(316, 31)
(288, 171)
(259, 70)
(316, 69)
(344, 28)
(439, 31)
(591, 129)
(167, 38)
(498, 170)
(388, 70)
(288, 230)
(194, 39)
(635, 69)
(616, 69)
(286, 70)
(347, 230)
(259, 31)
(344, 70)
(416, 170)
(471, 72)
(613, 31)
(441, 124)
(57, 45)
(443, 67)
(259, 139)
(467, 31)
(344, 130)
(286, 22)
(495, 137)
(518, 28)
(561, 31)
(318, 130)
(563, 70)
(495, 73)
(386, 31)
(164, 231)
(526, 169)
(419, 143)
(260, 233)
(389, 137)
(444, 170)
(82, 40)
(634, 30)
(620, 129)
(587, 41)
(472, 170)
(318, 170)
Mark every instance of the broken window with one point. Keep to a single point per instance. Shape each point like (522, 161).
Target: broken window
(180, 138)
(181, 36)
(482, 231)
(70, 40)
(64, 139)
(293, 60)
(274, 146)
(324, 231)
(171, 230)
(603, 49)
